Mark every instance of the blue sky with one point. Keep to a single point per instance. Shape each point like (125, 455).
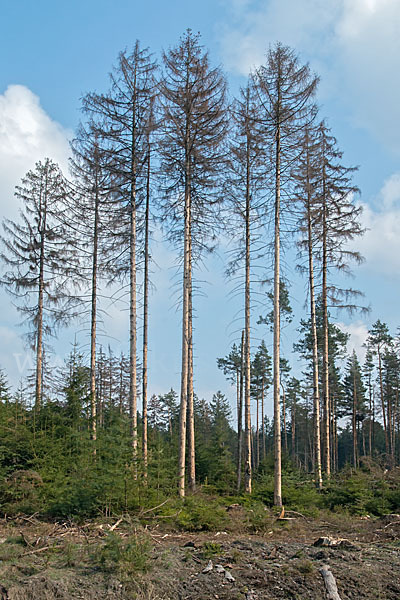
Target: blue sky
(51, 53)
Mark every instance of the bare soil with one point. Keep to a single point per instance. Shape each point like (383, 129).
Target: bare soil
(48, 561)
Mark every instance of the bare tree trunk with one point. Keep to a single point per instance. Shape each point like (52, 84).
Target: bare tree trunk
(39, 336)
(390, 425)
(334, 464)
(277, 329)
(293, 427)
(325, 354)
(132, 335)
(354, 421)
(248, 453)
(185, 339)
(257, 461)
(240, 412)
(145, 319)
(191, 439)
(132, 297)
(93, 423)
(285, 441)
(263, 418)
(383, 405)
(370, 417)
(336, 439)
(121, 379)
(373, 418)
(364, 451)
(317, 434)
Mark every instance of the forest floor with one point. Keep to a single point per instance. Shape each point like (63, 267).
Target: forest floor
(116, 559)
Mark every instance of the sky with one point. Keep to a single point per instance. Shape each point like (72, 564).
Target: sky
(52, 53)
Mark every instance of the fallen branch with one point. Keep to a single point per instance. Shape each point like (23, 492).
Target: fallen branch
(163, 516)
(151, 509)
(116, 524)
(390, 525)
(294, 512)
(38, 550)
(330, 583)
(24, 518)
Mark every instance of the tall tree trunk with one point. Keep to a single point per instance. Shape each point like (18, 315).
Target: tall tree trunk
(257, 461)
(93, 423)
(354, 421)
(325, 353)
(248, 453)
(133, 335)
(364, 451)
(293, 427)
(185, 338)
(263, 418)
(145, 319)
(389, 423)
(240, 412)
(39, 331)
(121, 380)
(373, 418)
(190, 399)
(277, 329)
(317, 434)
(285, 440)
(385, 427)
(39, 337)
(132, 296)
(370, 417)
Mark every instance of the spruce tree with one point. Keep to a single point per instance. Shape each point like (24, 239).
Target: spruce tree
(39, 261)
(192, 98)
(121, 119)
(285, 89)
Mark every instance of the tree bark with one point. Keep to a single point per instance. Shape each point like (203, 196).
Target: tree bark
(257, 461)
(263, 418)
(276, 372)
(39, 336)
(354, 420)
(293, 427)
(383, 404)
(285, 440)
(133, 335)
(248, 453)
(317, 434)
(325, 353)
(240, 412)
(330, 583)
(191, 438)
(185, 338)
(247, 370)
(145, 319)
(93, 416)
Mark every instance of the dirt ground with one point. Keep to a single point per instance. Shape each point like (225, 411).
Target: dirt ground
(48, 561)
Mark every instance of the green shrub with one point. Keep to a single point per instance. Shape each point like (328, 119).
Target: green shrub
(305, 567)
(123, 555)
(211, 549)
(198, 514)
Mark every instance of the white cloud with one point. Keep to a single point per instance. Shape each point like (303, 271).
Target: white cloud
(27, 134)
(358, 334)
(390, 193)
(255, 25)
(380, 244)
(353, 44)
